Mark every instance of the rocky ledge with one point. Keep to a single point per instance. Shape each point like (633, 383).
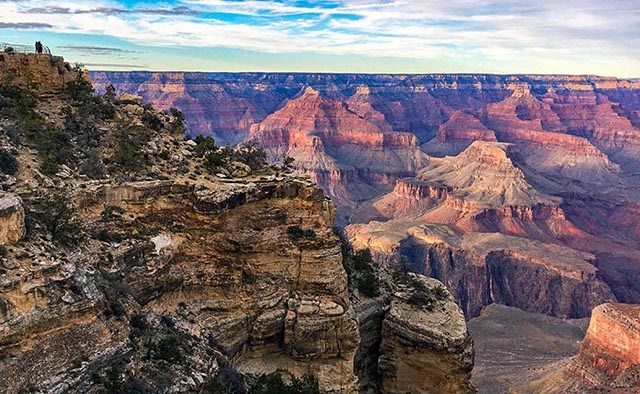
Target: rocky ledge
(611, 349)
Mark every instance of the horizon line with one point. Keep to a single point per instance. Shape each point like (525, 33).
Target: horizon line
(374, 73)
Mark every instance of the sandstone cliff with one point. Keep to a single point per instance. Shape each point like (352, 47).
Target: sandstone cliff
(608, 360)
(346, 152)
(140, 271)
(611, 346)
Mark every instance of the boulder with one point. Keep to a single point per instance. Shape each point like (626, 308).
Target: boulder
(127, 98)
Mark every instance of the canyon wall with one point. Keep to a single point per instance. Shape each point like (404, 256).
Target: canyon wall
(163, 272)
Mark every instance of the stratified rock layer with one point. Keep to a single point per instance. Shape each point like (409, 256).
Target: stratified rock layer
(612, 343)
(12, 226)
(425, 351)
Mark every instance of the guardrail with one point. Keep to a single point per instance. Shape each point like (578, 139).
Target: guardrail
(6, 47)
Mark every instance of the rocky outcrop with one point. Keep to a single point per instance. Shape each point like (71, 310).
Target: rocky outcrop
(12, 225)
(413, 339)
(247, 286)
(608, 360)
(425, 348)
(611, 345)
(457, 134)
(49, 74)
(349, 155)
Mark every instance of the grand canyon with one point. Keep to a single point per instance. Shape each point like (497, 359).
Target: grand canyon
(339, 233)
(519, 190)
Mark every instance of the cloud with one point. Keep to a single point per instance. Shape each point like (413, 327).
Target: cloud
(182, 10)
(97, 66)
(25, 25)
(547, 35)
(97, 50)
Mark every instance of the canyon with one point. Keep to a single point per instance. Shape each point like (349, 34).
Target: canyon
(520, 190)
(128, 264)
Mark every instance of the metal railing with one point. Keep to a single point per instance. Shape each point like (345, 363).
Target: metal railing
(6, 47)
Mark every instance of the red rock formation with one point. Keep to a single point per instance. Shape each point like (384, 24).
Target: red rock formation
(337, 146)
(611, 346)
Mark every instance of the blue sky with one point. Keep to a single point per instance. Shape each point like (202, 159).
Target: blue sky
(395, 36)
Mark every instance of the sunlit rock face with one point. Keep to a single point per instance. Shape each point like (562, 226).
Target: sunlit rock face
(612, 343)
(12, 226)
(522, 165)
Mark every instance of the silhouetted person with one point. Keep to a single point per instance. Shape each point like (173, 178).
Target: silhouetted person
(38, 47)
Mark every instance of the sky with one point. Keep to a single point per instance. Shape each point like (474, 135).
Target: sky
(598, 37)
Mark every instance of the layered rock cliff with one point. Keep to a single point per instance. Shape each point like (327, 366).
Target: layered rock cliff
(343, 150)
(139, 271)
(611, 346)
(475, 222)
(608, 360)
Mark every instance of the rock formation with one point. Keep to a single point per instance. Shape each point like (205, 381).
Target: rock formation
(425, 348)
(49, 74)
(141, 273)
(12, 226)
(475, 222)
(345, 152)
(612, 344)
(608, 360)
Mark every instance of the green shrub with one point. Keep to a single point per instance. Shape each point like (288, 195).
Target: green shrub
(214, 386)
(423, 300)
(93, 166)
(273, 383)
(252, 155)
(3, 251)
(228, 380)
(8, 163)
(128, 155)
(56, 215)
(115, 308)
(139, 322)
(288, 161)
(168, 348)
(204, 145)
(151, 119)
(295, 233)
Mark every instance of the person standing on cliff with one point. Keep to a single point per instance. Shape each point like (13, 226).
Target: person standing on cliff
(38, 47)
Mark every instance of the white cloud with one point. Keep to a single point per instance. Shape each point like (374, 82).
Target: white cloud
(548, 32)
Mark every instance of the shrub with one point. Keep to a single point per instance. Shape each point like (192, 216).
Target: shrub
(168, 348)
(107, 236)
(204, 145)
(3, 251)
(273, 383)
(8, 163)
(115, 308)
(57, 216)
(128, 155)
(139, 322)
(79, 89)
(151, 119)
(228, 380)
(288, 161)
(214, 386)
(440, 293)
(420, 299)
(92, 165)
(251, 154)
(295, 233)
(364, 273)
